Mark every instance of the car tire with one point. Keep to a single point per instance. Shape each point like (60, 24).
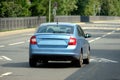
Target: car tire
(32, 62)
(87, 60)
(78, 63)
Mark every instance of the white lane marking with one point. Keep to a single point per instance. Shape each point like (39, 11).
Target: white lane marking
(107, 60)
(16, 43)
(103, 36)
(98, 38)
(102, 60)
(118, 29)
(90, 41)
(6, 74)
(1, 46)
(109, 33)
(103, 28)
(6, 58)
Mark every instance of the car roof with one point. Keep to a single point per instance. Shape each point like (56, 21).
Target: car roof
(58, 23)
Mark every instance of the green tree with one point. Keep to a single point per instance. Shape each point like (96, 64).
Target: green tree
(9, 9)
(38, 8)
(25, 6)
(41, 7)
(110, 7)
(17, 8)
(87, 7)
(13, 9)
(65, 7)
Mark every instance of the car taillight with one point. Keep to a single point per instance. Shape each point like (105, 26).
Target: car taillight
(33, 40)
(72, 41)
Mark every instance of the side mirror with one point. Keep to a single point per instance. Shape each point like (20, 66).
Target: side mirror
(87, 35)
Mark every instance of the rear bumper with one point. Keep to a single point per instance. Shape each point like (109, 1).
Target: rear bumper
(54, 54)
(54, 57)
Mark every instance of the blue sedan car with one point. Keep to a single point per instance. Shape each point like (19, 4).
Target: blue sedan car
(59, 41)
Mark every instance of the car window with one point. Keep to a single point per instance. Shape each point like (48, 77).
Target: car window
(56, 29)
(80, 31)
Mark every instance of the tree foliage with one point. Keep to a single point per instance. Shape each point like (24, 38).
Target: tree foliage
(18, 8)
(110, 7)
(97, 7)
(38, 7)
(66, 6)
(12, 8)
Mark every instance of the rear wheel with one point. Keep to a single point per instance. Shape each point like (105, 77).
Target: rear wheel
(87, 60)
(79, 62)
(32, 62)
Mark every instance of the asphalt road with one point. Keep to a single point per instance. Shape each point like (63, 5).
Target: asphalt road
(104, 62)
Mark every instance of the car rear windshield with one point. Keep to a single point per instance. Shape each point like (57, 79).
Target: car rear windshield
(56, 29)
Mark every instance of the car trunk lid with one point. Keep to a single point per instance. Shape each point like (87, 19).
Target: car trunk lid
(52, 40)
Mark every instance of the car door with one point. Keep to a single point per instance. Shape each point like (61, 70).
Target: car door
(83, 40)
